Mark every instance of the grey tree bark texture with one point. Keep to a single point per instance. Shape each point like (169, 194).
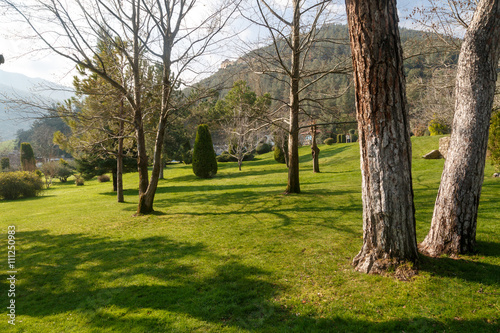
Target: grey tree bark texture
(453, 226)
(389, 237)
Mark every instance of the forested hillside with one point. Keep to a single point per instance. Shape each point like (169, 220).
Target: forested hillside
(429, 67)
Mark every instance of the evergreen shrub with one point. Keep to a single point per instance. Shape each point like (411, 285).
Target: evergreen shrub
(263, 148)
(18, 184)
(226, 157)
(279, 156)
(329, 141)
(204, 159)
(79, 180)
(63, 173)
(187, 157)
(5, 163)
(103, 178)
(28, 162)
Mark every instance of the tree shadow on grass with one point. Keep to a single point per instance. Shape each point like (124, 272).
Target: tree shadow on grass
(468, 270)
(75, 272)
(150, 284)
(489, 249)
(22, 199)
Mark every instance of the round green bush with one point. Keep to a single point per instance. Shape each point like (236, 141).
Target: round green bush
(102, 178)
(204, 159)
(279, 156)
(18, 184)
(80, 181)
(226, 157)
(263, 148)
(329, 141)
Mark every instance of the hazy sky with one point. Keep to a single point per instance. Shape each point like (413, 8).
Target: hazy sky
(20, 58)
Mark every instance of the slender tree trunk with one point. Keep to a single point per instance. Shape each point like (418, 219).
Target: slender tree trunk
(119, 160)
(453, 227)
(115, 182)
(389, 237)
(147, 198)
(142, 156)
(314, 150)
(293, 135)
(162, 167)
(119, 174)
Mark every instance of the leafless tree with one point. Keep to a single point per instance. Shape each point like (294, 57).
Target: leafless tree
(293, 34)
(162, 31)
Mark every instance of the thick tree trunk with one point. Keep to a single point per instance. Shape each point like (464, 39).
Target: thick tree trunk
(453, 227)
(293, 135)
(314, 150)
(389, 237)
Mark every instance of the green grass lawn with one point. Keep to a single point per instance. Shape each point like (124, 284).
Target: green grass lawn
(233, 254)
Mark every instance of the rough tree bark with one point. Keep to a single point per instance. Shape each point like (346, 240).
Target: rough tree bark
(453, 227)
(388, 212)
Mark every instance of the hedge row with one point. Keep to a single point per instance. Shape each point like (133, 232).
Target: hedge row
(18, 184)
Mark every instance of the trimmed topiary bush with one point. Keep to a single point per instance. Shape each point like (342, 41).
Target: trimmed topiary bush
(263, 148)
(204, 159)
(5, 163)
(279, 156)
(329, 141)
(18, 184)
(28, 162)
(341, 138)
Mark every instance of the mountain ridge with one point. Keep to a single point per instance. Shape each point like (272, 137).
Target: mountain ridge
(15, 86)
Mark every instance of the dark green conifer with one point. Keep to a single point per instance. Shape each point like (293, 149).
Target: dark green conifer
(204, 159)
